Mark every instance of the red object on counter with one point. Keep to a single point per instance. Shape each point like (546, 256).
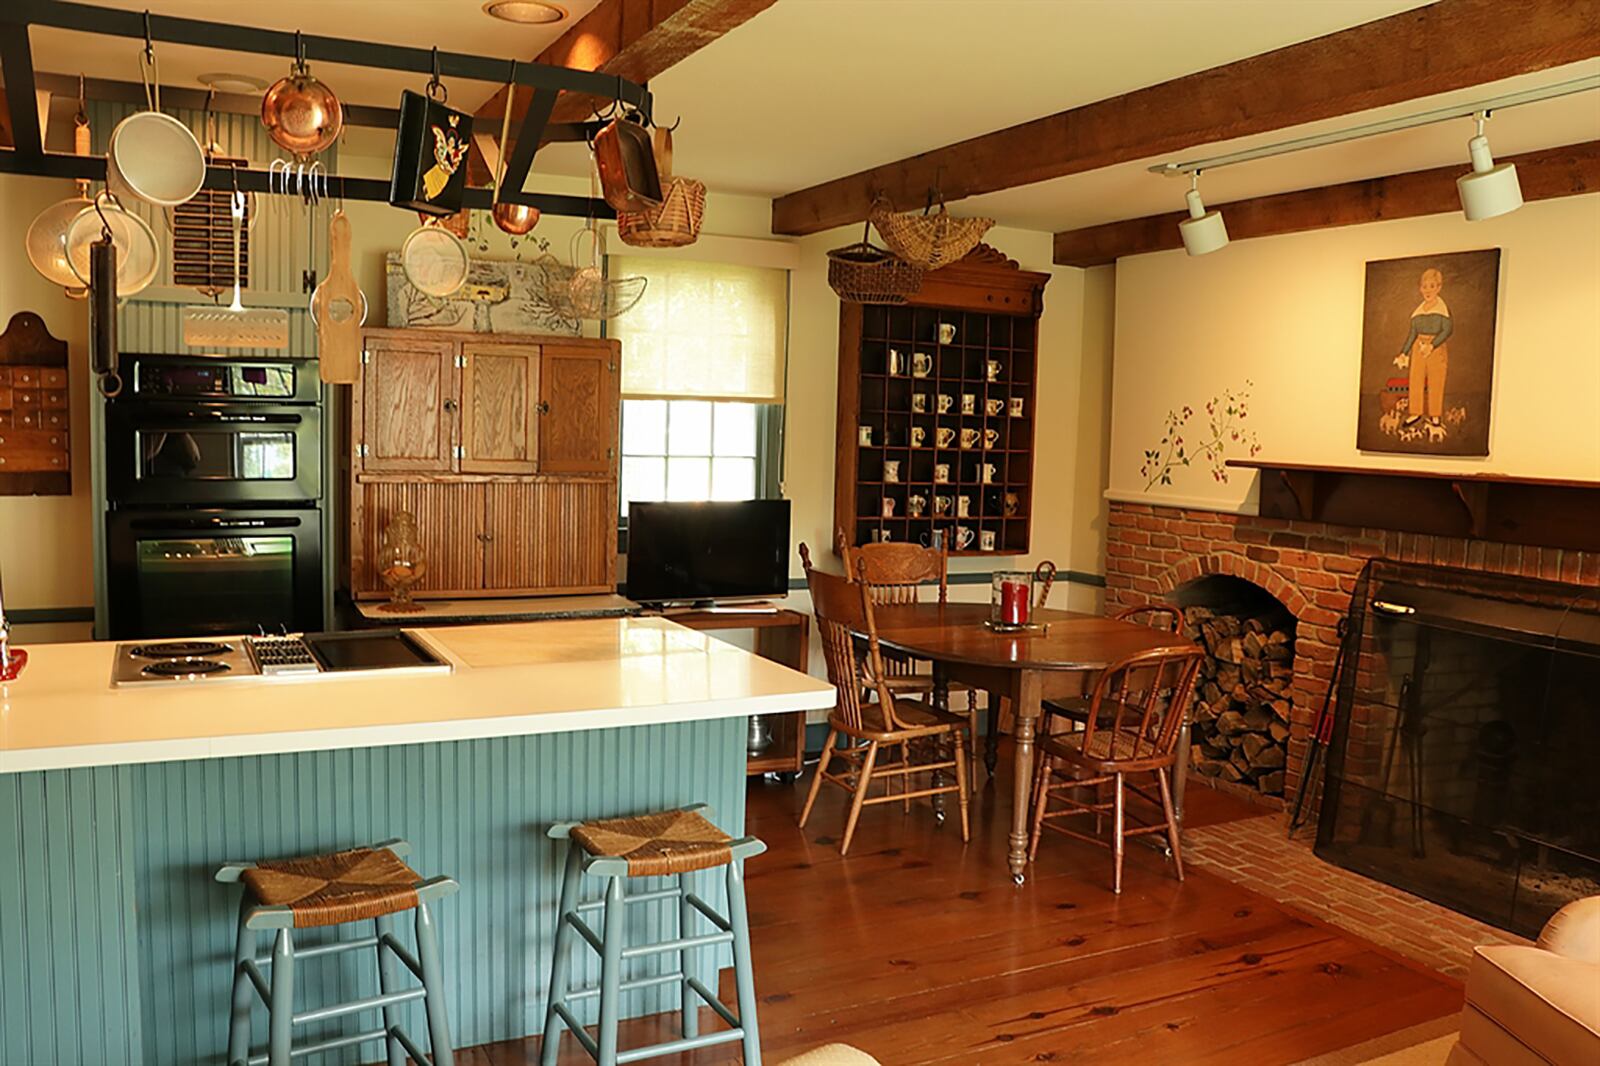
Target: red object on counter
(14, 665)
(1014, 603)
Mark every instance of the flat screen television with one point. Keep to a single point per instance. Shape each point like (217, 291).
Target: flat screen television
(705, 552)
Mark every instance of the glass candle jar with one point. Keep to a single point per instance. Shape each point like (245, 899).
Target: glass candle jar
(1011, 598)
(401, 563)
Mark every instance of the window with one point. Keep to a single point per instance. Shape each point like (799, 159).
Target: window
(702, 380)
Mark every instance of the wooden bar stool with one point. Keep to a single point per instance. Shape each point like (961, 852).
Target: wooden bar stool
(321, 890)
(677, 844)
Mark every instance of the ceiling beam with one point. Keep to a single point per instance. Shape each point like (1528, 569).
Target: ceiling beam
(1570, 170)
(633, 39)
(1445, 46)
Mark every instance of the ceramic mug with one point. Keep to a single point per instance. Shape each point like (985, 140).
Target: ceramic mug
(941, 505)
(991, 369)
(864, 436)
(986, 540)
(934, 538)
(963, 506)
(945, 402)
(944, 436)
(993, 405)
(881, 536)
(897, 362)
(921, 364)
(1016, 407)
(891, 470)
(969, 403)
(969, 437)
(988, 473)
(888, 506)
(1012, 504)
(916, 503)
(918, 436)
(963, 536)
(947, 333)
(990, 437)
(941, 471)
(919, 403)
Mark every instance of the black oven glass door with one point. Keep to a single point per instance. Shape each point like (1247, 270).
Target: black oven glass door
(209, 574)
(210, 455)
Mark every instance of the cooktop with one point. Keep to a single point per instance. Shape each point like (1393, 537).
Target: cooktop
(273, 657)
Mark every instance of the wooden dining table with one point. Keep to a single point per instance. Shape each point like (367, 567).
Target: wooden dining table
(1056, 661)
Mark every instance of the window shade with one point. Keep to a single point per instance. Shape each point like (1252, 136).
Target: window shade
(703, 331)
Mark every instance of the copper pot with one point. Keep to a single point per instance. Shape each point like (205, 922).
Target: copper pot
(301, 114)
(515, 219)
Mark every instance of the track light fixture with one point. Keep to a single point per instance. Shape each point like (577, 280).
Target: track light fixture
(1203, 231)
(1489, 190)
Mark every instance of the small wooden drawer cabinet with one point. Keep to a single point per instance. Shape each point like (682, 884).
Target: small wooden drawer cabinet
(502, 446)
(34, 421)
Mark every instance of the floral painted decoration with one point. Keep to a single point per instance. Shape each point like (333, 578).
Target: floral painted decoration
(1224, 417)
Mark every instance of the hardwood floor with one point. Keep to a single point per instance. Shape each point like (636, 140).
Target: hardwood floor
(919, 950)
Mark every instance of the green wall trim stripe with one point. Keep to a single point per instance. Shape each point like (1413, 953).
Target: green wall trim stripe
(1077, 577)
(116, 944)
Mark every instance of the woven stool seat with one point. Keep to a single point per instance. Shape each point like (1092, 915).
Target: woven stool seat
(345, 886)
(670, 842)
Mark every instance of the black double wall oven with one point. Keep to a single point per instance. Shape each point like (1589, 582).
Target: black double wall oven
(214, 486)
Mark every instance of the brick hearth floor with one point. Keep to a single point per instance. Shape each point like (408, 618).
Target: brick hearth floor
(1255, 852)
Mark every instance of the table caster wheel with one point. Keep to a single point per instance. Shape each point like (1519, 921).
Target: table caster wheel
(1019, 878)
(938, 816)
(788, 777)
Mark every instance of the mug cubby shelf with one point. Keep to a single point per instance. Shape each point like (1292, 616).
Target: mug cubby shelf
(936, 407)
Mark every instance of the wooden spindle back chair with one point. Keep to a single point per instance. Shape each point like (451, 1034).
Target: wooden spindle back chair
(1155, 615)
(1133, 720)
(856, 667)
(897, 572)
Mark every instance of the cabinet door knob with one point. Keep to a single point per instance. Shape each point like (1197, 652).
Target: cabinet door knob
(543, 407)
(450, 405)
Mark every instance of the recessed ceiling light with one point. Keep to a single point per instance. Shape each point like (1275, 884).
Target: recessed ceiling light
(528, 12)
(232, 83)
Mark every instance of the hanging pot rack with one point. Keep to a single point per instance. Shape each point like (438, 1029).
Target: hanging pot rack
(547, 82)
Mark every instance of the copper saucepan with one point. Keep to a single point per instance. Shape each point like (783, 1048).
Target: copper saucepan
(301, 114)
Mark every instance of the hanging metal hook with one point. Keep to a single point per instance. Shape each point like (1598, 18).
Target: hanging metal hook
(299, 52)
(149, 48)
(105, 223)
(670, 129)
(434, 83)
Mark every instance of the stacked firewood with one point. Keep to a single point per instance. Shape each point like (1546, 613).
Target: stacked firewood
(1240, 715)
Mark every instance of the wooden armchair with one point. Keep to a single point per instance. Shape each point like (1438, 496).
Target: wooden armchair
(1134, 717)
(844, 611)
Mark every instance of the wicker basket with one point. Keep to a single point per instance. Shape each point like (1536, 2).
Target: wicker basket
(930, 241)
(683, 207)
(863, 273)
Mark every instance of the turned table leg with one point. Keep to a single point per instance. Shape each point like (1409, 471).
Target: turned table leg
(941, 700)
(1025, 709)
(991, 729)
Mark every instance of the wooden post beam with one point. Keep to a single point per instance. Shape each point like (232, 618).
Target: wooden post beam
(1442, 47)
(1569, 170)
(635, 39)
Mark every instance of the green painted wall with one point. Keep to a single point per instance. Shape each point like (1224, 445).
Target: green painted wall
(116, 945)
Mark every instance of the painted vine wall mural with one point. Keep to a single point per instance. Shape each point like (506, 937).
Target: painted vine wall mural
(1186, 442)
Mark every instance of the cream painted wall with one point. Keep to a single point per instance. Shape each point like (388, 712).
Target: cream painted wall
(1285, 312)
(44, 540)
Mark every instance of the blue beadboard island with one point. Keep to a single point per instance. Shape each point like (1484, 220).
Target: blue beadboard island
(116, 806)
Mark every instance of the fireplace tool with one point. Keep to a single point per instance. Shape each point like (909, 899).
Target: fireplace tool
(1321, 735)
(1405, 739)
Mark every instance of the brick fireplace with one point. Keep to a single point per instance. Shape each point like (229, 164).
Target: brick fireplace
(1153, 552)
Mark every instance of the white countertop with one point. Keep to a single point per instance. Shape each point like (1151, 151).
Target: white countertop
(508, 680)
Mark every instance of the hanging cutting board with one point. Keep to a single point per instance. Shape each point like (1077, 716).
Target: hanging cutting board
(339, 308)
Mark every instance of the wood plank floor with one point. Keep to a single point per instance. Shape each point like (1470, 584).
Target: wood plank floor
(919, 950)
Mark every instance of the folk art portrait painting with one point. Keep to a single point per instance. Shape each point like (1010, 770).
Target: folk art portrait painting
(1427, 354)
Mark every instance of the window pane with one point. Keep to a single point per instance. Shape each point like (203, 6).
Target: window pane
(689, 428)
(688, 479)
(736, 429)
(644, 427)
(643, 479)
(733, 479)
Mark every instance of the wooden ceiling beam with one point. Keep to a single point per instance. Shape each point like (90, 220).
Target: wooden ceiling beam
(1445, 46)
(1570, 170)
(636, 39)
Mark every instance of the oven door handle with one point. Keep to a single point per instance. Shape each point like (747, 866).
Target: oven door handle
(178, 421)
(212, 523)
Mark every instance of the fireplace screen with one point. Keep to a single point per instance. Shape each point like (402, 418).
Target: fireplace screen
(1466, 741)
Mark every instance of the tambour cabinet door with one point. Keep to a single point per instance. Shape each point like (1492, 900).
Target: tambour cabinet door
(408, 406)
(499, 393)
(578, 409)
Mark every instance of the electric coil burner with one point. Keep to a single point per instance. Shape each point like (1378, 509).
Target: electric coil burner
(180, 649)
(185, 668)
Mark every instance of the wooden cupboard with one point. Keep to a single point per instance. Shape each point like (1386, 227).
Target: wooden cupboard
(504, 448)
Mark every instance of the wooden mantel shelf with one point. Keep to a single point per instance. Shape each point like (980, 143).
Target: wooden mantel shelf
(1547, 512)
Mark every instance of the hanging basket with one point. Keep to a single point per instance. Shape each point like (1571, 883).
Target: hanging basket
(929, 241)
(863, 273)
(676, 222)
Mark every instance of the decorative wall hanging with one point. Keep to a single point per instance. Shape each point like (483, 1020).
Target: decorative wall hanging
(34, 416)
(1427, 353)
(500, 296)
(1181, 446)
(430, 151)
